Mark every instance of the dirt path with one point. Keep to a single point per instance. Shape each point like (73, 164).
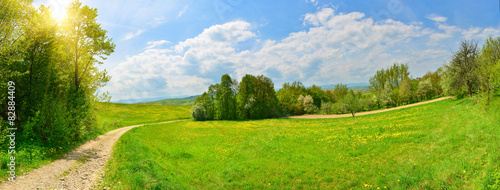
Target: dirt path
(78, 169)
(364, 113)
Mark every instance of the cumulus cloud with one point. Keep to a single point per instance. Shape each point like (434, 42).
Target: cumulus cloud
(337, 47)
(436, 18)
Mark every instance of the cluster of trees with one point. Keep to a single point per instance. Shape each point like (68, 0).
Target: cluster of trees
(296, 99)
(473, 70)
(54, 68)
(252, 98)
(470, 71)
(394, 86)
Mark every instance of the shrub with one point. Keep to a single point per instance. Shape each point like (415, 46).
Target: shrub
(199, 112)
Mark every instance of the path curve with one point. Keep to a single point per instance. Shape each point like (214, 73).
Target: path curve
(78, 169)
(365, 113)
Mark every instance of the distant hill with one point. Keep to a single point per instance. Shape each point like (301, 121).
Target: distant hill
(350, 86)
(188, 101)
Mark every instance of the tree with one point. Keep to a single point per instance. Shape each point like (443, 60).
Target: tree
(395, 74)
(199, 112)
(352, 103)
(226, 102)
(424, 89)
(385, 95)
(288, 97)
(14, 17)
(340, 91)
(246, 96)
(318, 95)
(87, 45)
(326, 107)
(462, 71)
(308, 104)
(405, 90)
(266, 103)
(490, 56)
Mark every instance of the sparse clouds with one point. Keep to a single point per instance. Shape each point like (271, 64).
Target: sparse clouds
(436, 18)
(182, 11)
(131, 35)
(154, 44)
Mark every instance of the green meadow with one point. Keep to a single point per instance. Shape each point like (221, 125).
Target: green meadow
(112, 115)
(451, 144)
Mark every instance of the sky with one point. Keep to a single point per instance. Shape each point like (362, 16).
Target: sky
(174, 48)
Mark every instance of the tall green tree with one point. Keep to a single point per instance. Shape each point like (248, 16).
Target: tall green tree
(14, 20)
(490, 56)
(226, 100)
(352, 103)
(87, 46)
(340, 91)
(462, 71)
(246, 96)
(266, 101)
(288, 97)
(405, 90)
(385, 96)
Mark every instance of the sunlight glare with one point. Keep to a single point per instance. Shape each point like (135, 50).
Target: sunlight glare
(58, 9)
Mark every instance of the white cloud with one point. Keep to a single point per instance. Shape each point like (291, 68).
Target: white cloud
(436, 18)
(131, 35)
(337, 47)
(314, 2)
(182, 11)
(154, 44)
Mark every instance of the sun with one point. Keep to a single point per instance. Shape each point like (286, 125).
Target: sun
(58, 9)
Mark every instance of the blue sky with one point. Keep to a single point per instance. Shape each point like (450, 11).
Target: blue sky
(175, 48)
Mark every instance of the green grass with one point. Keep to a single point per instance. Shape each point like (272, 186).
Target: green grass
(188, 101)
(112, 115)
(444, 145)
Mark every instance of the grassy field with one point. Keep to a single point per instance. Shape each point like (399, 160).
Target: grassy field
(448, 144)
(112, 115)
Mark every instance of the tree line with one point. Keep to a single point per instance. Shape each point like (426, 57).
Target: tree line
(54, 68)
(469, 72)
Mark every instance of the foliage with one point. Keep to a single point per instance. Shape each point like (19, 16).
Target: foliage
(199, 112)
(288, 97)
(489, 65)
(308, 104)
(38, 55)
(318, 95)
(425, 90)
(352, 103)
(462, 71)
(253, 98)
(405, 90)
(385, 95)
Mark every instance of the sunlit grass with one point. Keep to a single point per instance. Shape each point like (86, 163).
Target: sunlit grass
(447, 144)
(112, 115)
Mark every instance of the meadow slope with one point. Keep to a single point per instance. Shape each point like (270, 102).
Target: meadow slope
(446, 144)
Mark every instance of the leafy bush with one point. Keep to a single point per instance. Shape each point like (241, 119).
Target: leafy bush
(199, 112)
